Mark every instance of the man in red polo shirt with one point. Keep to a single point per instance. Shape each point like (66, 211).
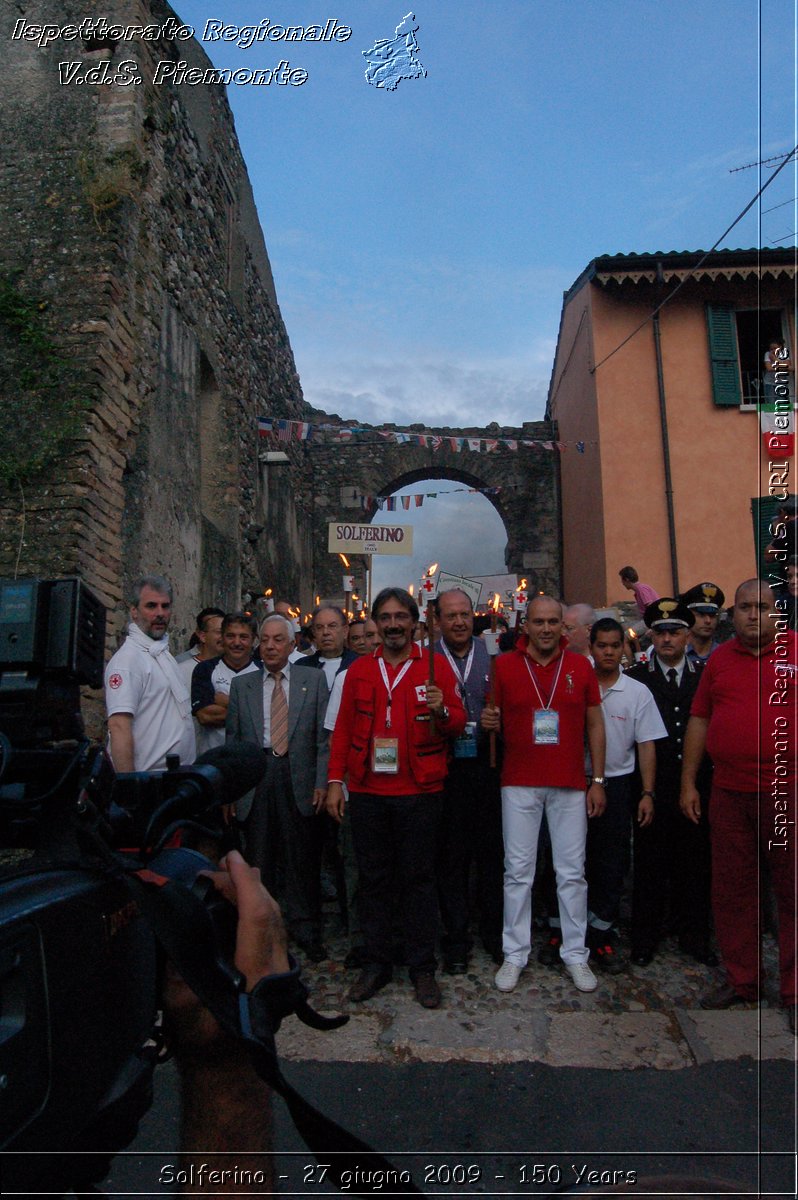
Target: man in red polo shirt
(745, 714)
(391, 745)
(547, 698)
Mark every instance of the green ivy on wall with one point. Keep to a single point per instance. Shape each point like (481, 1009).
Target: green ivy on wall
(42, 392)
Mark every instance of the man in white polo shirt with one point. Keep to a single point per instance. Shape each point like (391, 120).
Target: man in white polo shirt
(149, 709)
(211, 680)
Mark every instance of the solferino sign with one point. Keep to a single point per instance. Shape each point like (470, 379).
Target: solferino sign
(343, 538)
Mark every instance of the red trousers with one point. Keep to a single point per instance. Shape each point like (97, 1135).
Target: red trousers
(741, 828)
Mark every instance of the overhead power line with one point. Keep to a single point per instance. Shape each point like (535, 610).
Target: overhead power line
(762, 162)
(700, 262)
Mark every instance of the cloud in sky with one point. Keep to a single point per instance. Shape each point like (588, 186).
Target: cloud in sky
(435, 392)
(461, 530)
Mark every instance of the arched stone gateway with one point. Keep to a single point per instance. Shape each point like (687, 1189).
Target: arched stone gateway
(343, 482)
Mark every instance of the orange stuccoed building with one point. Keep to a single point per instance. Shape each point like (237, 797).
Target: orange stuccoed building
(657, 386)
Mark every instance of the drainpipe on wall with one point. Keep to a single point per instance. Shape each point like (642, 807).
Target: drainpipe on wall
(666, 452)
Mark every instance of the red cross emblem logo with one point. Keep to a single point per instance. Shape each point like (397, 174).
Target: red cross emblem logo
(115, 682)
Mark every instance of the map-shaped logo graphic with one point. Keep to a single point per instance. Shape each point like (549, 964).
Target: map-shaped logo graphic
(390, 60)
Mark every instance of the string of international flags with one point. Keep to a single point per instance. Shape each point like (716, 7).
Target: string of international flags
(285, 430)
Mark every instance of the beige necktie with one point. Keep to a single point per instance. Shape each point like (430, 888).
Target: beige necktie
(279, 716)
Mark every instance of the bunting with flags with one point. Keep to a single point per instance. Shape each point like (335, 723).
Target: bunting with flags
(285, 430)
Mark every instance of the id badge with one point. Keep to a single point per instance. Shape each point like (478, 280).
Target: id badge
(385, 756)
(546, 727)
(465, 746)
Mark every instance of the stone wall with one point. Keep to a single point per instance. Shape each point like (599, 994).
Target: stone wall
(129, 223)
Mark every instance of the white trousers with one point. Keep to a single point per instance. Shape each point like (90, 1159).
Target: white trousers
(566, 814)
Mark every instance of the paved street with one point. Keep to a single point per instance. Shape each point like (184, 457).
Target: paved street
(523, 1094)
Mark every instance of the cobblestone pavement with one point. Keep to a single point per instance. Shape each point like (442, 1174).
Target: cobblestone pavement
(645, 1017)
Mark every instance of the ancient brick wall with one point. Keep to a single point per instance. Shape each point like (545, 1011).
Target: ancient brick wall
(129, 223)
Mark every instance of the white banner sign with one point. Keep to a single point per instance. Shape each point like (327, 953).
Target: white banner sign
(471, 587)
(343, 538)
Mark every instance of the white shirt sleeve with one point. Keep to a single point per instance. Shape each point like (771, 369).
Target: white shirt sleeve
(124, 685)
(335, 701)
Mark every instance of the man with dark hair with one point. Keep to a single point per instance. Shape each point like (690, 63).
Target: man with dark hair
(671, 855)
(363, 637)
(210, 683)
(705, 602)
(329, 628)
(390, 743)
(149, 709)
(471, 827)
(632, 724)
(547, 701)
(745, 715)
(205, 640)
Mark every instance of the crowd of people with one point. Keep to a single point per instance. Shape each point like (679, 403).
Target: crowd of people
(461, 785)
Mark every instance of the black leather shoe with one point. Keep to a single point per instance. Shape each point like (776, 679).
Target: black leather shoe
(428, 993)
(371, 980)
(356, 958)
(723, 997)
(642, 956)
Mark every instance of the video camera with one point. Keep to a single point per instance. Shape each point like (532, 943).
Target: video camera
(79, 965)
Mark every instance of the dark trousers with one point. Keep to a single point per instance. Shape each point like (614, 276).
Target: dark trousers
(608, 847)
(470, 831)
(396, 837)
(671, 877)
(287, 847)
(741, 827)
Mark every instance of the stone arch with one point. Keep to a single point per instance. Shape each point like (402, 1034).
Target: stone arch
(345, 479)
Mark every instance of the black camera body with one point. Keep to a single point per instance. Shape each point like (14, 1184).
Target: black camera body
(79, 964)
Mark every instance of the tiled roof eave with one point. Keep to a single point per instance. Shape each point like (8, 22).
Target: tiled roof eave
(602, 279)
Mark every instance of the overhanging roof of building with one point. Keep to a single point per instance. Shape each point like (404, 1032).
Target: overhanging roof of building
(665, 266)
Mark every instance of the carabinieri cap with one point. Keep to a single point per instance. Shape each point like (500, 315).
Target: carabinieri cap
(668, 613)
(704, 598)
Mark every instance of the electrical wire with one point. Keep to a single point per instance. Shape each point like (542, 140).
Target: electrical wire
(701, 260)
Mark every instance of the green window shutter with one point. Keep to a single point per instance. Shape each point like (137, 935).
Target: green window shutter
(765, 511)
(723, 355)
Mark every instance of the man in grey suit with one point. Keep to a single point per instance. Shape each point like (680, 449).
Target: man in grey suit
(283, 710)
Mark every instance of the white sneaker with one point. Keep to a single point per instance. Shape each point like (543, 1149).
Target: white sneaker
(582, 976)
(508, 975)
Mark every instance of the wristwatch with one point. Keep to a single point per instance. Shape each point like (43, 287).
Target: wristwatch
(443, 715)
(653, 795)
(599, 779)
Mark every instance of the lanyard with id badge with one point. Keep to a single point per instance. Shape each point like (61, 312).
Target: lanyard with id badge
(464, 746)
(385, 750)
(545, 720)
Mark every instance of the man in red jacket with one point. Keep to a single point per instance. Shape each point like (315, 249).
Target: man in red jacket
(391, 745)
(745, 715)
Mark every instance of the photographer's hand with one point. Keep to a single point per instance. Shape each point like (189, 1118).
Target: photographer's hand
(261, 942)
(226, 1106)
